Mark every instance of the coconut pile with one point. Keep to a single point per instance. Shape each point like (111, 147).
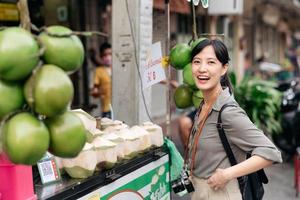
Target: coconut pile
(110, 142)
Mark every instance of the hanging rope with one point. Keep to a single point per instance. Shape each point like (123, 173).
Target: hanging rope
(24, 14)
(194, 28)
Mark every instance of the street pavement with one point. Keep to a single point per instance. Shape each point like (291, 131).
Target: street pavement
(281, 176)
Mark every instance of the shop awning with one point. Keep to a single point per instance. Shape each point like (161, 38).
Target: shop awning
(178, 6)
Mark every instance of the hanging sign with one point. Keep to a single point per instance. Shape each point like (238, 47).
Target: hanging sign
(154, 72)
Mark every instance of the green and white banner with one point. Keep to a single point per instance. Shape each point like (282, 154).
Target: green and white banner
(150, 182)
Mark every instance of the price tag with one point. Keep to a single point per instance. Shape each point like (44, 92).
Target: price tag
(154, 72)
(48, 169)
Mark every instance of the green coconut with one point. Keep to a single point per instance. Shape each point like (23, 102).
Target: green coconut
(25, 139)
(49, 91)
(183, 96)
(12, 97)
(67, 135)
(19, 53)
(197, 98)
(180, 56)
(188, 76)
(196, 42)
(62, 48)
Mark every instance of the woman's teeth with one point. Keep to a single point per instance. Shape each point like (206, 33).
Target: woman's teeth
(202, 78)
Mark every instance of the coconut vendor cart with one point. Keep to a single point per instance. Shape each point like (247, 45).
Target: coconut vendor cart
(144, 177)
(117, 162)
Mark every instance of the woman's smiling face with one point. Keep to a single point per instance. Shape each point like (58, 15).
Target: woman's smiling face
(207, 69)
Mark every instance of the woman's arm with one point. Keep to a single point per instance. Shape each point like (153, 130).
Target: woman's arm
(242, 133)
(222, 176)
(254, 163)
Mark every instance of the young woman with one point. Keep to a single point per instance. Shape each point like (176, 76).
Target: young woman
(212, 175)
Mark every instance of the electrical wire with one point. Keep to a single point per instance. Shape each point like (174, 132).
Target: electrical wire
(136, 60)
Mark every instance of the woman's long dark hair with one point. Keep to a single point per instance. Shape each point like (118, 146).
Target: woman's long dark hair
(221, 53)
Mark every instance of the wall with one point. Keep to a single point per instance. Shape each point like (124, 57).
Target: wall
(56, 12)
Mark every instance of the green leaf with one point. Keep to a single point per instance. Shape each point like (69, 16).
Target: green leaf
(232, 78)
(255, 117)
(261, 101)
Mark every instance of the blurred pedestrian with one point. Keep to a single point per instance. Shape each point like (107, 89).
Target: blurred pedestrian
(212, 174)
(294, 57)
(102, 78)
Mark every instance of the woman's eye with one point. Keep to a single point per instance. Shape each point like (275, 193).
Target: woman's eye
(211, 62)
(196, 61)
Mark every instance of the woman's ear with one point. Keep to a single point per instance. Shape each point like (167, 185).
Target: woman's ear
(224, 69)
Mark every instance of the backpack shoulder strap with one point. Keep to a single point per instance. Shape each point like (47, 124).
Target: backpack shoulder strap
(223, 137)
(226, 144)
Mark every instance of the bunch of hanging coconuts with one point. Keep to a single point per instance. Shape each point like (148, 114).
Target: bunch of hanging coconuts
(36, 94)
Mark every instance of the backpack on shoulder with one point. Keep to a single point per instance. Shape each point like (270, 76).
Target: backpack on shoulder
(251, 185)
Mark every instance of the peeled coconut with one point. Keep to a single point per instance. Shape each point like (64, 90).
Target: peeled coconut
(115, 126)
(131, 143)
(105, 122)
(49, 91)
(112, 137)
(82, 166)
(155, 132)
(12, 97)
(67, 135)
(61, 48)
(106, 153)
(109, 125)
(144, 137)
(59, 164)
(115, 138)
(25, 139)
(89, 123)
(19, 53)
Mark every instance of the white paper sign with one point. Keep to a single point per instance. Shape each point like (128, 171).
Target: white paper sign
(154, 71)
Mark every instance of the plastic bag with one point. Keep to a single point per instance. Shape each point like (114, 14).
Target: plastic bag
(176, 164)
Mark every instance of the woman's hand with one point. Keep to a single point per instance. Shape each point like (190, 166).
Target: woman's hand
(222, 176)
(219, 179)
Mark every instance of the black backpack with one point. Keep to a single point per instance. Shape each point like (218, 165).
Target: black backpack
(251, 185)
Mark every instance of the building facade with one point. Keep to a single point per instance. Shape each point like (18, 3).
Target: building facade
(262, 28)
